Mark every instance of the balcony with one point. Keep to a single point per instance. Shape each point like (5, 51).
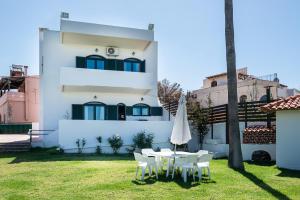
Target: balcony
(91, 80)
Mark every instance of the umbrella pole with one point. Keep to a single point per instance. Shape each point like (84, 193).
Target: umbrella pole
(175, 149)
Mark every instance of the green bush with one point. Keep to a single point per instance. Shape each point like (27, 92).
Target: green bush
(115, 142)
(98, 148)
(80, 145)
(141, 140)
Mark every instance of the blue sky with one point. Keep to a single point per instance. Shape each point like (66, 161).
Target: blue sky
(190, 33)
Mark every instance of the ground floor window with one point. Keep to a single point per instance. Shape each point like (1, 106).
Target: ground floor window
(94, 111)
(140, 110)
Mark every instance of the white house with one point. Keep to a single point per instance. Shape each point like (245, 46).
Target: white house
(99, 80)
(287, 131)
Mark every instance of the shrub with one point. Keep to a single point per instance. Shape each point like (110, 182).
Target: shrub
(141, 140)
(115, 142)
(80, 144)
(98, 148)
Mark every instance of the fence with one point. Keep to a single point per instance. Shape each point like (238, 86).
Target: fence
(247, 112)
(14, 128)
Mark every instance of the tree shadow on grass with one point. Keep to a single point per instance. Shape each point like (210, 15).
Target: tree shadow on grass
(265, 163)
(289, 173)
(260, 183)
(47, 157)
(177, 179)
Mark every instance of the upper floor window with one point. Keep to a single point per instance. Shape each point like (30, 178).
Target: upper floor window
(140, 110)
(132, 65)
(214, 84)
(94, 111)
(95, 62)
(243, 99)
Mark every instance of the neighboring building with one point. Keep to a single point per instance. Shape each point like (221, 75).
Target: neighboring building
(287, 131)
(293, 92)
(19, 97)
(249, 88)
(99, 80)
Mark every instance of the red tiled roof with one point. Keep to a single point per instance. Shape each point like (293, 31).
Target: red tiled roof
(259, 129)
(290, 103)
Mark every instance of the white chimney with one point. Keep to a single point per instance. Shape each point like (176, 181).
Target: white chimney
(25, 70)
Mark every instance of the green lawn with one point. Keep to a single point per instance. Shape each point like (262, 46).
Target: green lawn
(40, 175)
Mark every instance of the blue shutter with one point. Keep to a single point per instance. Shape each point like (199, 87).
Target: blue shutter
(80, 62)
(120, 65)
(110, 64)
(112, 112)
(128, 110)
(143, 66)
(156, 111)
(77, 111)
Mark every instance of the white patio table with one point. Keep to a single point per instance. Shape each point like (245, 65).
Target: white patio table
(170, 156)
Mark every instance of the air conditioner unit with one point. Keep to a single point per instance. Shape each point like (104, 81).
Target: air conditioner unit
(112, 51)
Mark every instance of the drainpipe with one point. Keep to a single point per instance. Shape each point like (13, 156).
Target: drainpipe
(268, 91)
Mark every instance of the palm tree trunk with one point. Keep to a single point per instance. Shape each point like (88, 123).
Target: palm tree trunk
(235, 159)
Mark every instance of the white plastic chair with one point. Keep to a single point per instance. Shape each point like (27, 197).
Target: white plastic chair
(166, 150)
(169, 160)
(201, 152)
(143, 163)
(203, 163)
(186, 164)
(150, 152)
(147, 151)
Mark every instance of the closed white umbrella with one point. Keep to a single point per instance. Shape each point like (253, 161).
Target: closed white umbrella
(181, 131)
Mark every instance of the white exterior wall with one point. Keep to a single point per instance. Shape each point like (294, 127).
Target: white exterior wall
(218, 144)
(287, 139)
(58, 72)
(89, 129)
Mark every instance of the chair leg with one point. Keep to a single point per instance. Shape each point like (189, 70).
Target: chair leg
(173, 172)
(156, 172)
(143, 172)
(168, 168)
(208, 172)
(150, 171)
(184, 171)
(200, 173)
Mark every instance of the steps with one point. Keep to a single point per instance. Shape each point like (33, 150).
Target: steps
(14, 147)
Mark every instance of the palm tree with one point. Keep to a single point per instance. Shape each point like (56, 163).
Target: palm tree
(235, 159)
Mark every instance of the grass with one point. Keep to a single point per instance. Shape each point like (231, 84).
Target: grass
(40, 175)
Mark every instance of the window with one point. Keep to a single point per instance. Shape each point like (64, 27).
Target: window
(140, 110)
(264, 98)
(243, 99)
(132, 65)
(94, 111)
(214, 84)
(95, 62)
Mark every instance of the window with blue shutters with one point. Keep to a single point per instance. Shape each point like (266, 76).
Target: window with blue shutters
(94, 111)
(101, 63)
(134, 65)
(140, 110)
(95, 62)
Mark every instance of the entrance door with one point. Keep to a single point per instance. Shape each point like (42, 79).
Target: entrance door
(121, 112)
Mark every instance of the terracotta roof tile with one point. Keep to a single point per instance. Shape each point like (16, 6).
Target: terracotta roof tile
(290, 103)
(259, 129)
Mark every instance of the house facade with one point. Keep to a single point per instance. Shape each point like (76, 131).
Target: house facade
(99, 80)
(19, 97)
(249, 88)
(287, 131)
